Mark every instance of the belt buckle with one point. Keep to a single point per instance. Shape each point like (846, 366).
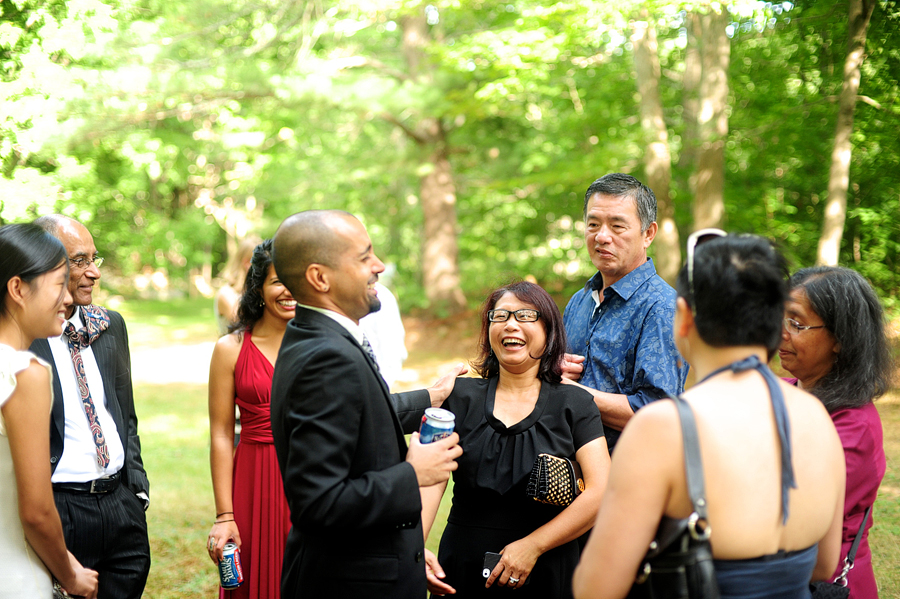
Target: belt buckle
(101, 485)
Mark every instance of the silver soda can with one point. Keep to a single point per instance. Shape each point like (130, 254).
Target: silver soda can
(231, 575)
(437, 424)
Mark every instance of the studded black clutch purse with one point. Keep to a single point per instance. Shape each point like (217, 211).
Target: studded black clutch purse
(58, 591)
(555, 481)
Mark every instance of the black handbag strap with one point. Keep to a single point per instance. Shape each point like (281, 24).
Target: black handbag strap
(693, 465)
(851, 555)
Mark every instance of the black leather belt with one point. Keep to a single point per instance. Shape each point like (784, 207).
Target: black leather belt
(101, 485)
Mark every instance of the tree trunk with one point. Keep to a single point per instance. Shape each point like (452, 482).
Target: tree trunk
(690, 86)
(839, 175)
(440, 254)
(657, 160)
(715, 54)
(439, 249)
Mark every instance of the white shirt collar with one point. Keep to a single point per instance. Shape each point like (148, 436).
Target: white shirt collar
(354, 329)
(76, 321)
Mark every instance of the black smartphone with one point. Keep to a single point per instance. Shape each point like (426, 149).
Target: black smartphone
(490, 562)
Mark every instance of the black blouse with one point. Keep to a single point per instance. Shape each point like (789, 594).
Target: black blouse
(489, 484)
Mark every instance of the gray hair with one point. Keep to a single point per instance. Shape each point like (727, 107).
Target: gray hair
(622, 185)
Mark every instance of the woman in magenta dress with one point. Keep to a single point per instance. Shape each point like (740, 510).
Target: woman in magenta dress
(834, 343)
(251, 509)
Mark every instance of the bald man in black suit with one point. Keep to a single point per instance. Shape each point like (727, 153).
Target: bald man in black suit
(351, 483)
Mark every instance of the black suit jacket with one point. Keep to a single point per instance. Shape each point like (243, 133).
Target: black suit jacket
(114, 361)
(355, 504)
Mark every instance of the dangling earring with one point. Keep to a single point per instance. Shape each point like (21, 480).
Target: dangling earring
(262, 302)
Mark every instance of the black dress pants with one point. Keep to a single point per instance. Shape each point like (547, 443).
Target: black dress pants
(108, 533)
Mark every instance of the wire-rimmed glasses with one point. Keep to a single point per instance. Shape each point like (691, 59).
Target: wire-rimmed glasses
(795, 328)
(85, 261)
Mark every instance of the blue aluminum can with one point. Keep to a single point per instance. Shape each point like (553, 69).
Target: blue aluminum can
(437, 424)
(231, 575)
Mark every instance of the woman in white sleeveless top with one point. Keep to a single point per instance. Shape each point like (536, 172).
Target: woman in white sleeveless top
(33, 296)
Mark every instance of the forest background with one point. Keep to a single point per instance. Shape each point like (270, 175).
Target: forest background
(462, 132)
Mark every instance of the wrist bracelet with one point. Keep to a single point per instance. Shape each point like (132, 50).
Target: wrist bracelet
(223, 521)
(223, 513)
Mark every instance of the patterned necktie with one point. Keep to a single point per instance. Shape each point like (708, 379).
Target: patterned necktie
(368, 347)
(77, 340)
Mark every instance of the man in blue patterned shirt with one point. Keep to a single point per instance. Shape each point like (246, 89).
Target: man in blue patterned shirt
(620, 325)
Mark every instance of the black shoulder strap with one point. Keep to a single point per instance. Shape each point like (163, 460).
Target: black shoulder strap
(692, 463)
(851, 555)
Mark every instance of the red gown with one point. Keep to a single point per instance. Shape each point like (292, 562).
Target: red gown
(260, 509)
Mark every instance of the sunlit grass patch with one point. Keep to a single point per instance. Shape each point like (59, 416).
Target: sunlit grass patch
(153, 323)
(174, 432)
(884, 537)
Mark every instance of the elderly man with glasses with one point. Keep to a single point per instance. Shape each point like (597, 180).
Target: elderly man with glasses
(99, 482)
(619, 326)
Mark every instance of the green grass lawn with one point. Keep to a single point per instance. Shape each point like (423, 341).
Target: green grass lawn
(174, 432)
(884, 538)
(175, 436)
(152, 323)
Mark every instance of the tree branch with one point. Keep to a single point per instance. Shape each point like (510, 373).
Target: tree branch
(869, 101)
(416, 137)
(362, 61)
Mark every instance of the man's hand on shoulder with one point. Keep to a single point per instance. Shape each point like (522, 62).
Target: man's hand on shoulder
(442, 388)
(433, 462)
(572, 367)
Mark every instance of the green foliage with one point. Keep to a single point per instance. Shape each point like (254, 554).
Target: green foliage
(172, 128)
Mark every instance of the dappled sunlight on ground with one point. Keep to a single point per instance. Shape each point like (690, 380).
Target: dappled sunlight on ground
(176, 363)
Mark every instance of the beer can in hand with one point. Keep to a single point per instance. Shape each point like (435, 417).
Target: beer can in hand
(231, 575)
(437, 424)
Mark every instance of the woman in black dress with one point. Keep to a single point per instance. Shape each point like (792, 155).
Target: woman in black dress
(518, 410)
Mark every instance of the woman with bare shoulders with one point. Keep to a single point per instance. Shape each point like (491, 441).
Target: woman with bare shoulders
(251, 509)
(33, 298)
(771, 458)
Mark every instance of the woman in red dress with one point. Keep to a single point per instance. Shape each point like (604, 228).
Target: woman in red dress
(251, 509)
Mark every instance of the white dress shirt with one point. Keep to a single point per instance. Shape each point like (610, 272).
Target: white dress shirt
(354, 329)
(78, 462)
(385, 332)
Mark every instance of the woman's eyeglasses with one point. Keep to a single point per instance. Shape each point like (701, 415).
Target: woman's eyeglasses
(795, 328)
(695, 239)
(523, 315)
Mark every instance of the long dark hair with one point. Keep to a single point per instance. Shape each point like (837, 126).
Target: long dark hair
(27, 251)
(487, 365)
(250, 307)
(849, 308)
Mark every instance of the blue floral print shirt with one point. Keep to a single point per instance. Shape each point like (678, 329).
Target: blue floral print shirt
(627, 340)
